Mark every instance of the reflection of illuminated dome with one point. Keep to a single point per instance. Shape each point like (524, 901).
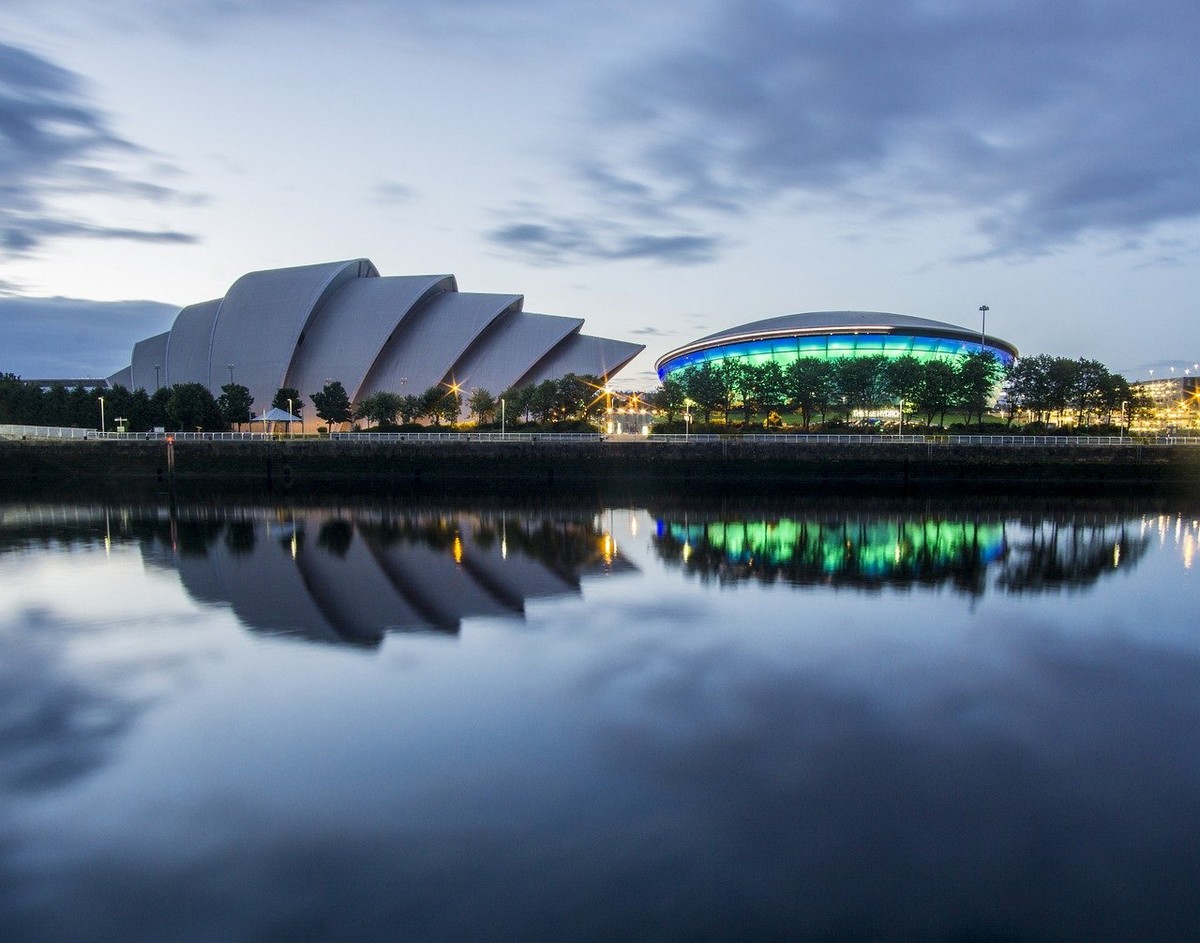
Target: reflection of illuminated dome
(835, 334)
(833, 551)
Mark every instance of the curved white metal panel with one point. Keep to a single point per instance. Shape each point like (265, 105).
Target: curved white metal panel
(430, 340)
(122, 378)
(187, 348)
(263, 319)
(353, 326)
(506, 351)
(582, 354)
(148, 354)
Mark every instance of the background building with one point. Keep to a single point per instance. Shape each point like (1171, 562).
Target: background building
(302, 327)
(836, 334)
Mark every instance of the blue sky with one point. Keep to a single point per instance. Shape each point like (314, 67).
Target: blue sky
(662, 170)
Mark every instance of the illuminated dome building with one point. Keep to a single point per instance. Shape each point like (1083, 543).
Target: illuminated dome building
(835, 334)
(300, 327)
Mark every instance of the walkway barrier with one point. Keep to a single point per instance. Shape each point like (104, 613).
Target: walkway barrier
(1015, 441)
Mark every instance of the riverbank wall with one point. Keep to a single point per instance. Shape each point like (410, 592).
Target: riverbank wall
(303, 465)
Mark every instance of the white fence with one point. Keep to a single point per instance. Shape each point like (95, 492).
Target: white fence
(59, 432)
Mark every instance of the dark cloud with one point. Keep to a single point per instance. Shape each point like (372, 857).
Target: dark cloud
(54, 143)
(1046, 123)
(565, 240)
(69, 337)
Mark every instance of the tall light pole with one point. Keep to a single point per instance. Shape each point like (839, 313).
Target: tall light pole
(101, 413)
(983, 310)
(289, 417)
(156, 369)
(502, 415)
(230, 366)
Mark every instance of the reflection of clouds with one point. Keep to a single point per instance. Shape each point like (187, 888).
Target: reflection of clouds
(1055, 788)
(54, 725)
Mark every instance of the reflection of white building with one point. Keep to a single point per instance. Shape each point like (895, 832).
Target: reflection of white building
(352, 579)
(300, 327)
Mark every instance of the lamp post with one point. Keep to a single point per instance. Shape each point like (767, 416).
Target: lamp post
(289, 417)
(156, 369)
(101, 413)
(983, 310)
(230, 366)
(502, 415)
(1125, 415)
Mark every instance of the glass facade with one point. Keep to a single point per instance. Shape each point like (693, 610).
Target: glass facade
(833, 345)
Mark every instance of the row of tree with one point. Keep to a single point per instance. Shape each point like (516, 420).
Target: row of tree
(815, 388)
(1040, 386)
(191, 407)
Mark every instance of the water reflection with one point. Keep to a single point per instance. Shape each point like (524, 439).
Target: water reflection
(872, 550)
(344, 576)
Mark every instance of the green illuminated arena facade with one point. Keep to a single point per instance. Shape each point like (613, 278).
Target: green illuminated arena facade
(836, 334)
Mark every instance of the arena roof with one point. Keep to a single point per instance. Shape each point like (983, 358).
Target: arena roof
(829, 323)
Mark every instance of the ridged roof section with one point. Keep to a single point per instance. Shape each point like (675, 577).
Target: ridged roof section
(147, 353)
(186, 356)
(264, 316)
(513, 343)
(583, 355)
(430, 341)
(353, 327)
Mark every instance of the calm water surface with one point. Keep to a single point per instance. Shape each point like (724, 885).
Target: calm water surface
(749, 721)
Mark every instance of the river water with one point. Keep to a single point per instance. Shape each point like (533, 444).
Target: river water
(669, 721)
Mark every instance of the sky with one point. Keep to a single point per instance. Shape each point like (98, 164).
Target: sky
(663, 170)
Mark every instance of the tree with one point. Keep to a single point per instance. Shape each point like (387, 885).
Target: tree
(978, 374)
(409, 408)
(939, 383)
(515, 402)
(543, 399)
(669, 397)
(379, 407)
(234, 403)
(482, 405)
(705, 387)
(861, 381)
(808, 384)
(332, 403)
(902, 380)
(288, 397)
(191, 406)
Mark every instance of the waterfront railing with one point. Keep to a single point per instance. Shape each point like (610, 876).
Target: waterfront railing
(800, 439)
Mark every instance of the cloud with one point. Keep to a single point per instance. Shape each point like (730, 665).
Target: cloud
(559, 240)
(1046, 124)
(391, 193)
(55, 144)
(72, 338)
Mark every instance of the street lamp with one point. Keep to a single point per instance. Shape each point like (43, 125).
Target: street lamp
(289, 417)
(983, 310)
(156, 369)
(230, 366)
(1125, 414)
(101, 413)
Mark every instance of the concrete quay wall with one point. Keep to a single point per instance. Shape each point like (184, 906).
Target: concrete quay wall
(303, 464)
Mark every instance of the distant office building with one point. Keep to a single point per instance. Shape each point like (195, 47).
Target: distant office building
(1173, 402)
(301, 327)
(836, 334)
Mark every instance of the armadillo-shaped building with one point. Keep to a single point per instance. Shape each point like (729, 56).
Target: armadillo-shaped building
(302, 327)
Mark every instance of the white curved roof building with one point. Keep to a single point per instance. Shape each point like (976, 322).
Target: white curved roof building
(300, 327)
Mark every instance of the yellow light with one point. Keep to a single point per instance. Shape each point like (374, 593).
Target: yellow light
(458, 549)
